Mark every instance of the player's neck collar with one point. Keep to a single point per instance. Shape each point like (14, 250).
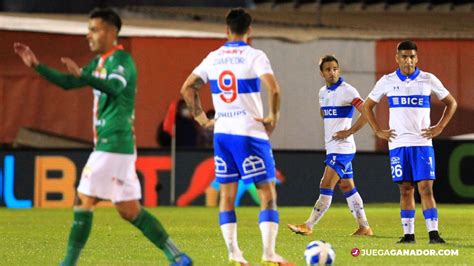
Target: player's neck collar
(111, 51)
(335, 85)
(235, 44)
(412, 76)
(105, 55)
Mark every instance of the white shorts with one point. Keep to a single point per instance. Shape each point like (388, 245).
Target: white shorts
(110, 176)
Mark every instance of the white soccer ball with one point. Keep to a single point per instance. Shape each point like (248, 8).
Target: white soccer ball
(319, 253)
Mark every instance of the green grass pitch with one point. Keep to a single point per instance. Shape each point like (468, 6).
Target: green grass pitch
(38, 236)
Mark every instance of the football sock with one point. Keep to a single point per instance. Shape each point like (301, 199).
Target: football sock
(356, 205)
(320, 207)
(156, 233)
(228, 223)
(268, 222)
(80, 230)
(408, 221)
(431, 219)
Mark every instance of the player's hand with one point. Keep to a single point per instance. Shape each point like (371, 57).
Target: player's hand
(386, 134)
(26, 54)
(343, 134)
(431, 132)
(269, 123)
(203, 121)
(71, 66)
(209, 124)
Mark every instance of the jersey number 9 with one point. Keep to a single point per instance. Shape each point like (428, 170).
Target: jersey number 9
(228, 85)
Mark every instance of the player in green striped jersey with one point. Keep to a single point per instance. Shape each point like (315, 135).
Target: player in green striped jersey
(110, 170)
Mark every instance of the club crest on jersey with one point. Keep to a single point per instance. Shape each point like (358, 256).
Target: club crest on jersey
(220, 165)
(395, 160)
(100, 73)
(253, 164)
(120, 70)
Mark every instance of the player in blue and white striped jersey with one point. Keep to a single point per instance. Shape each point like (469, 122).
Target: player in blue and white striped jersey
(241, 132)
(408, 90)
(337, 99)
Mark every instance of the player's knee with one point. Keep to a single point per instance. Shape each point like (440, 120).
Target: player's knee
(325, 183)
(406, 187)
(345, 186)
(128, 215)
(84, 202)
(425, 191)
(227, 200)
(269, 204)
(268, 198)
(406, 192)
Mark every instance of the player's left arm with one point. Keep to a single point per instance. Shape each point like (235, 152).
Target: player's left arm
(449, 110)
(190, 93)
(360, 122)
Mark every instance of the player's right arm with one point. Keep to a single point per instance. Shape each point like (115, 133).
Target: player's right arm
(190, 93)
(368, 112)
(63, 80)
(367, 109)
(263, 69)
(273, 88)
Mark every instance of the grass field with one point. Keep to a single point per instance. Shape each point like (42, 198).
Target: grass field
(38, 236)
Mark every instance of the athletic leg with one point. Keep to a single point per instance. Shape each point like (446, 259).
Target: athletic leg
(407, 206)
(268, 222)
(356, 206)
(430, 212)
(151, 227)
(81, 227)
(228, 221)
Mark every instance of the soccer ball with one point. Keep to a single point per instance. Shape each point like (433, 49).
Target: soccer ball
(319, 253)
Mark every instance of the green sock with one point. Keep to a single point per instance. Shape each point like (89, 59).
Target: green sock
(80, 230)
(156, 233)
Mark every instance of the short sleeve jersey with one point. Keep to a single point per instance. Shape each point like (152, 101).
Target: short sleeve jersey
(337, 104)
(233, 72)
(409, 104)
(114, 115)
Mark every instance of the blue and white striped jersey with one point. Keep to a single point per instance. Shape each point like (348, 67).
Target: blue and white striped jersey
(337, 105)
(233, 72)
(409, 104)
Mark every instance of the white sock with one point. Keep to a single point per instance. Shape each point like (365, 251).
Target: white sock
(269, 232)
(431, 225)
(229, 232)
(408, 221)
(431, 219)
(356, 205)
(320, 207)
(408, 225)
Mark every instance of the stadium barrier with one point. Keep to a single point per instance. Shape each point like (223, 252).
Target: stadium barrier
(47, 178)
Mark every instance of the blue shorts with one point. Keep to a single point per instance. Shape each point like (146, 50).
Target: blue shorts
(341, 163)
(412, 164)
(241, 157)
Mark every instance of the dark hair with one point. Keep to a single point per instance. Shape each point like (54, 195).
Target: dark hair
(327, 58)
(107, 15)
(407, 45)
(238, 21)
